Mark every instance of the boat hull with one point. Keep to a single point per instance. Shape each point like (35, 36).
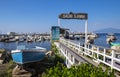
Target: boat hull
(115, 44)
(27, 57)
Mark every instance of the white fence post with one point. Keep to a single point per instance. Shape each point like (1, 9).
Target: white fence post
(85, 48)
(104, 54)
(97, 53)
(112, 59)
(73, 60)
(79, 51)
(101, 51)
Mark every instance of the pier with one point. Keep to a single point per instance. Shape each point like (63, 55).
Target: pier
(75, 53)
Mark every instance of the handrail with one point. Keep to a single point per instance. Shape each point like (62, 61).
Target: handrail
(99, 52)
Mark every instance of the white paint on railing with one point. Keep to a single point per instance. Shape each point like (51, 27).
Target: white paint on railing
(66, 55)
(89, 50)
(67, 58)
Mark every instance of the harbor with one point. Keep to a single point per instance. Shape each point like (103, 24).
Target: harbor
(31, 54)
(75, 52)
(59, 38)
(33, 37)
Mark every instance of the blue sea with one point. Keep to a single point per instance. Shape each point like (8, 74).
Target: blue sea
(101, 40)
(13, 45)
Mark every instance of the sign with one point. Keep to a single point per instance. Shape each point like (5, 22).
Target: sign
(74, 16)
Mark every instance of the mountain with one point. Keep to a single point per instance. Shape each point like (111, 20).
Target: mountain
(107, 30)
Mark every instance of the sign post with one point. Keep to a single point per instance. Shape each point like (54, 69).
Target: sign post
(81, 16)
(58, 21)
(86, 31)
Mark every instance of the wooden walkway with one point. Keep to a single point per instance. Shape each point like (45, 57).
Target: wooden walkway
(79, 57)
(89, 54)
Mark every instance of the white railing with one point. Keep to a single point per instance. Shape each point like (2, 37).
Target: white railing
(99, 54)
(64, 53)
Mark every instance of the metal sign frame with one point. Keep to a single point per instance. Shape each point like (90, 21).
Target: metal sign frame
(81, 16)
(71, 15)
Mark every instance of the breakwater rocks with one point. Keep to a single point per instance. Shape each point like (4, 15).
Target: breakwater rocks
(32, 69)
(5, 56)
(37, 69)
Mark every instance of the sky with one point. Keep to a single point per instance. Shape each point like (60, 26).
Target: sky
(39, 15)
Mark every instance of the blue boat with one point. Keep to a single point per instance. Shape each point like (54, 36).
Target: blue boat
(23, 54)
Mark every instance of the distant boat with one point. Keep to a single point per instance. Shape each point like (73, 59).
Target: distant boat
(110, 34)
(23, 55)
(21, 39)
(111, 38)
(114, 44)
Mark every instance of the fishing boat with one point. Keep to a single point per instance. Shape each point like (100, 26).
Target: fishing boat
(116, 47)
(110, 34)
(23, 54)
(114, 44)
(111, 38)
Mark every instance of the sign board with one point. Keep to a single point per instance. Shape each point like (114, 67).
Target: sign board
(74, 16)
(55, 33)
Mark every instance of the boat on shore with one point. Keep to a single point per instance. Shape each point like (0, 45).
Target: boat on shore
(23, 54)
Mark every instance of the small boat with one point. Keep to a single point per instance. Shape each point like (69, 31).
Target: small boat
(23, 54)
(111, 38)
(114, 44)
(110, 34)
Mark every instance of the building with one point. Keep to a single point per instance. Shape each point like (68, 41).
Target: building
(55, 33)
(11, 33)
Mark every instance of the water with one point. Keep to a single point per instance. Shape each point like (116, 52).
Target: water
(101, 40)
(13, 45)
